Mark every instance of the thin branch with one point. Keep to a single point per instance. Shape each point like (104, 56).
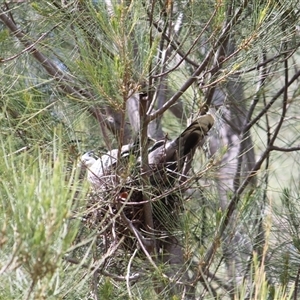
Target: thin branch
(75, 261)
(236, 196)
(159, 94)
(184, 87)
(219, 281)
(284, 103)
(95, 282)
(128, 272)
(295, 292)
(145, 244)
(147, 207)
(50, 67)
(267, 61)
(245, 134)
(229, 211)
(271, 102)
(175, 46)
(62, 78)
(207, 286)
(30, 290)
(260, 239)
(183, 58)
(142, 242)
(282, 149)
(200, 68)
(29, 48)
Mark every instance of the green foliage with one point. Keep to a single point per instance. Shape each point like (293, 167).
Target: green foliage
(38, 194)
(102, 55)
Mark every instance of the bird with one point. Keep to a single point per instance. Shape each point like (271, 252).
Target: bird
(98, 170)
(162, 155)
(168, 159)
(184, 144)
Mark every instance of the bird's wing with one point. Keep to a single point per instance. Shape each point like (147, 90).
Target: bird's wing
(191, 137)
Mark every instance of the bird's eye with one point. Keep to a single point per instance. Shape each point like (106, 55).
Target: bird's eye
(91, 154)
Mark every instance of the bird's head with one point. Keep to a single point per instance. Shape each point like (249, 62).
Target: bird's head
(87, 159)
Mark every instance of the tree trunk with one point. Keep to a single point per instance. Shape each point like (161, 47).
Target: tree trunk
(237, 159)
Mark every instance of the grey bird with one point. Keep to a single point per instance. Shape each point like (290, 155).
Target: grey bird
(164, 154)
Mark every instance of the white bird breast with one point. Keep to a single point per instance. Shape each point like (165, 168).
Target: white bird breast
(99, 170)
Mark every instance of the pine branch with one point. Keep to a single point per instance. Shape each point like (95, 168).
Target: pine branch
(65, 81)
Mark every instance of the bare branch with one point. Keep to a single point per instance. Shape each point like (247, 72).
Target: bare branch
(65, 81)
(272, 101)
(175, 46)
(184, 87)
(75, 261)
(128, 272)
(29, 48)
(284, 103)
(145, 244)
(282, 149)
(223, 36)
(245, 135)
(290, 52)
(183, 58)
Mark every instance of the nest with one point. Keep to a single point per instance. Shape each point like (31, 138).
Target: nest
(118, 211)
(118, 205)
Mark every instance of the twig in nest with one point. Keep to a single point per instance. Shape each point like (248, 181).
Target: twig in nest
(144, 243)
(99, 263)
(128, 272)
(103, 272)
